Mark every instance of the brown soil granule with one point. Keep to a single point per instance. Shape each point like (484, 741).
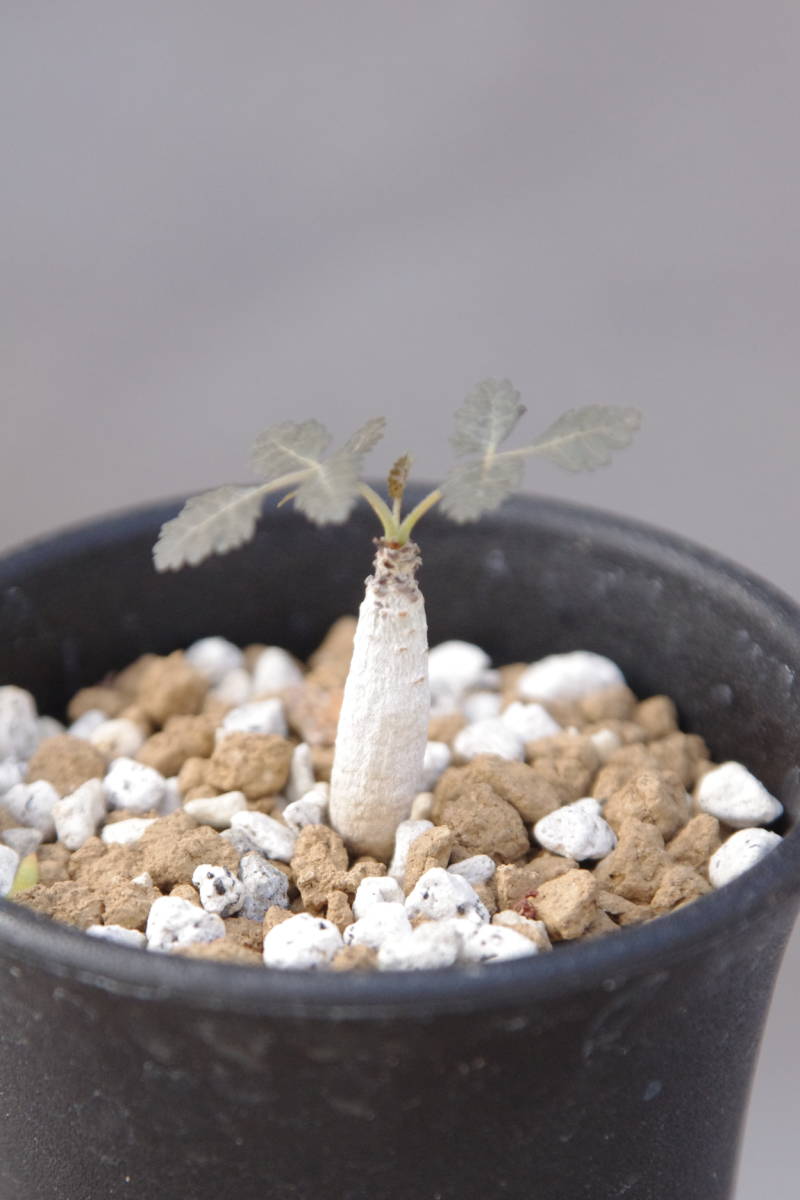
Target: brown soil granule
(254, 763)
(66, 762)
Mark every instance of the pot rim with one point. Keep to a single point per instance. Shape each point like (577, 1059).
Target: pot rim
(67, 953)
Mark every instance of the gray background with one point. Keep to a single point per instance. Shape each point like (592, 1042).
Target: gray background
(215, 216)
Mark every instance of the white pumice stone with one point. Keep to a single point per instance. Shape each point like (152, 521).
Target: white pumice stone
(77, 815)
(488, 737)
(173, 921)
(741, 852)
(263, 885)
(437, 895)
(731, 794)
(274, 671)
(11, 773)
(144, 880)
(214, 657)
(216, 811)
(118, 934)
(605, 742)
(133, 786)
(530, 722)
(236, 687)
(172, 799)
(576, 830)
(220, 891)
(435, 762)
(301, 773)
(9, 861)
(239, 840)
(569, 676)
(434, 944)
(117, 738)
(125, 833)
(48, 727)
(514, 920)
(454, 667)
(422, 807)
(405, 834)
(376, 889)
(481, 706)
(302, 942)
(259, 716)
(19, 734)
(479, 868)
(86, 723)
(380, 923)
(495, 943)
(31, 804)
(273, 839)
(309, 809)
(24, 841)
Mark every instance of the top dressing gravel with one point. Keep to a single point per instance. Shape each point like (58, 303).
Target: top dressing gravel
(184, 810)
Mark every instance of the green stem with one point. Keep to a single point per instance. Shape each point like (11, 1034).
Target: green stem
(404, 532)
(382, 511)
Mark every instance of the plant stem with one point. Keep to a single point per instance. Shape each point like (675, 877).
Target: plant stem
(391, 529)
(405, 530)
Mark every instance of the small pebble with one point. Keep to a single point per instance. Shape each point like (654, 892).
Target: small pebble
(216, 811)
(302, 942)
(9, 861)
(19, 733)
(133, 786)
(301, 773)
(77, 815)
(731, 794)
(380, 923)
(118, 934)
(454, 667)
(741, 852)
(310, 809)
(481, 706)
(438, 894)
(436, 760)
(259, 716)
(220, 891)
(477, 869)
(24, 841)
(569, 676)
(11, 773)
(488, 737)
(144, 880)
(264, 885)
(274, 671)
(125, 833)
(273, 839)
(236, 687)
(214, 657)
(404, 835)
(434, 944)
(422, 807)
(576, 831)
(495, 943)
(376, 889)
(173, 921)
(48, 727)
(87, 723)
(605, 742)
(172, 799)
(31, 804)
(118, 738)
(530, 722)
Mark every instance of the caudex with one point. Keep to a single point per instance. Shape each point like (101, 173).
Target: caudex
(383, 725)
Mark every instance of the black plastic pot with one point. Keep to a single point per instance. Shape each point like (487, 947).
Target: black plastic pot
(618, 1068)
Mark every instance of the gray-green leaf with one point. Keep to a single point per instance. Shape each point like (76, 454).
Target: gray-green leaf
(475, 488)
(328, 494)
(585, 438)
(367, 437)
(486, 417)
(211, 523)
(288, 447)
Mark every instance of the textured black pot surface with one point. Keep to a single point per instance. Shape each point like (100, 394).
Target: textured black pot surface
(618, 1068)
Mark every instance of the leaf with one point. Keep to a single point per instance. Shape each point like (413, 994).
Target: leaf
(475, 488)
(211, 523)
(327, 496)
(27, 875)
(584, 438)
(367, 437)
(288, 447)
(486, 417)
(398, 477)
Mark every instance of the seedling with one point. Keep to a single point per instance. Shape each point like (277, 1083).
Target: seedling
(383, 724)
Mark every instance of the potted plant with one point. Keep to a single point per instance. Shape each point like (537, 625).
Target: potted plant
(615, 1067)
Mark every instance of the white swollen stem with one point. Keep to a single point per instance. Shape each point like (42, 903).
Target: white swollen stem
(383, 726)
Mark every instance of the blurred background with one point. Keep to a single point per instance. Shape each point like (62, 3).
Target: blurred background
(215, 217)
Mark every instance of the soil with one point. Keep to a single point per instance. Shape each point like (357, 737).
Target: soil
(628, 753)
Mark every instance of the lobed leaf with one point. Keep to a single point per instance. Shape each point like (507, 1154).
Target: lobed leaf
(487, 417)
(475, 488)
(585, 438)
(367, 437)
(211, 523)
(328, 494)
(288, 447)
